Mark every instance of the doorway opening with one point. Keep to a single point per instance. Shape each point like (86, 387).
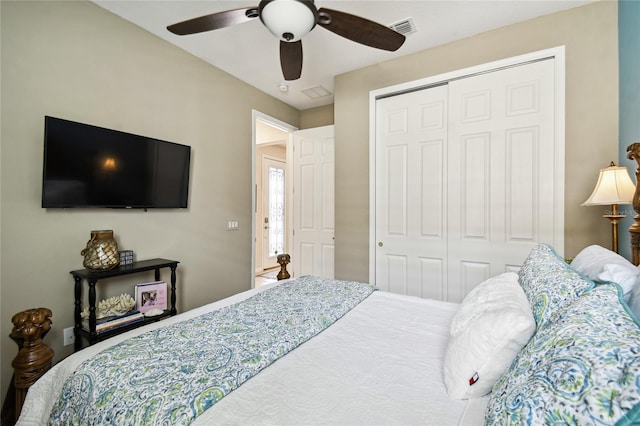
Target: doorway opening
(271, 196)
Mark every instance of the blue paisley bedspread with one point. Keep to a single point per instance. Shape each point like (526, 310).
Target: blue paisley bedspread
(171, 375)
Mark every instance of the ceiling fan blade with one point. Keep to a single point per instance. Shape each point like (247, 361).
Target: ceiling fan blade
(214, 21)
(291, 59)
(360, 30)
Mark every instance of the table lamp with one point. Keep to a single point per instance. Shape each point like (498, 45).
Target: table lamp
(614, 187)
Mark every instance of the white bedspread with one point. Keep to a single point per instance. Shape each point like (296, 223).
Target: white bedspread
(381, 364)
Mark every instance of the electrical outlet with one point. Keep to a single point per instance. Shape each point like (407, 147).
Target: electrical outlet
(69, 337)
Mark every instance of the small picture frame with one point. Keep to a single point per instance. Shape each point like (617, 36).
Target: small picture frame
(151, 296)
(126, 257)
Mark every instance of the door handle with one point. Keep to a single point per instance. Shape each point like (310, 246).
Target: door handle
(380, 244)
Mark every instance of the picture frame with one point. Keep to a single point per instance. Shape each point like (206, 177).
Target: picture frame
(151, 295)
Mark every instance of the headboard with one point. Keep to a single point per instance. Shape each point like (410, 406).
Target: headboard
(633, 153)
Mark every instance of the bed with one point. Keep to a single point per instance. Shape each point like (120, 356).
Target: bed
(549, 344)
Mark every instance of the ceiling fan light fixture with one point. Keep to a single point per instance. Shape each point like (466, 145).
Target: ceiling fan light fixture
(289, 20)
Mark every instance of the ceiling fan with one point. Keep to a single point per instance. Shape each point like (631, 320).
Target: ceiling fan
(290, 20)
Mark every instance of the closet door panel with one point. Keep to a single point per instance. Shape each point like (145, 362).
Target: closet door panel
(522, 202)
(396, 182)
(501, 144)
(411, 216)
(474, 209)
(432, 209)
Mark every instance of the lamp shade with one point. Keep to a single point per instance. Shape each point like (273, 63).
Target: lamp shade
(614, 187)
(288, 20)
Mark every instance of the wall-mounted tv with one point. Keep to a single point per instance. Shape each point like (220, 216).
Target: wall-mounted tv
(89, 166)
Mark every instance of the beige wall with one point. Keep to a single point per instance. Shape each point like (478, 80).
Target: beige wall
(75, 60)
(590, 36)
(316, 117)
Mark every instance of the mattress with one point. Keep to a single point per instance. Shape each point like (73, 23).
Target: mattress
(379, 364)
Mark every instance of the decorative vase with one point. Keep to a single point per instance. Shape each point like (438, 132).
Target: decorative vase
(101, 253)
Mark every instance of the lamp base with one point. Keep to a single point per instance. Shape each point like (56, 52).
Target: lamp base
(634, 230)
(615, 219)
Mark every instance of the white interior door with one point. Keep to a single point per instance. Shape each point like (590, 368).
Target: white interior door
(465, 180)
(313, 202)
(273, 222)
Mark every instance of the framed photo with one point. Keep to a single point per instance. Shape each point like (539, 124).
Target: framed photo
(151, 296)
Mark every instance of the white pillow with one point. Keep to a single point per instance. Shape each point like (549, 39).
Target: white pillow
(493, 324)
(603, 265)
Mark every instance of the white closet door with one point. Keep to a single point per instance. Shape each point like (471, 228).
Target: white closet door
(313, 198)
(411, 199)
(501, 171)
(464, 180)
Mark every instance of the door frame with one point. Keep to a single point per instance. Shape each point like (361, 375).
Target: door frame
(557, 53)
(257, 115)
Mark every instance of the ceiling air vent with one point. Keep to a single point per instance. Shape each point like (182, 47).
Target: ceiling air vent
(404, 27)
(316, 92)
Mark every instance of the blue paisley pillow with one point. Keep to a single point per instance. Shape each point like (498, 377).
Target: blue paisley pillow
(581, 369)
(549, 283)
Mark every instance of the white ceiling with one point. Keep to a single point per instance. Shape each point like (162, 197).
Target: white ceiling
(249, 51)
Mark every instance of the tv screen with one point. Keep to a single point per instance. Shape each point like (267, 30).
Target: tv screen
(89, 166)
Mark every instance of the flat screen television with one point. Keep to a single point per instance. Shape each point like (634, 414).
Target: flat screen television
(89, 166)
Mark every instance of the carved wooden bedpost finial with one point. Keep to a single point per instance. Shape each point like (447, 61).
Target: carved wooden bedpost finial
(283, 260)
(34, 357)
(633, 153)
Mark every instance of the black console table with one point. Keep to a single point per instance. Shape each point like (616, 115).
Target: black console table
(92, 277)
